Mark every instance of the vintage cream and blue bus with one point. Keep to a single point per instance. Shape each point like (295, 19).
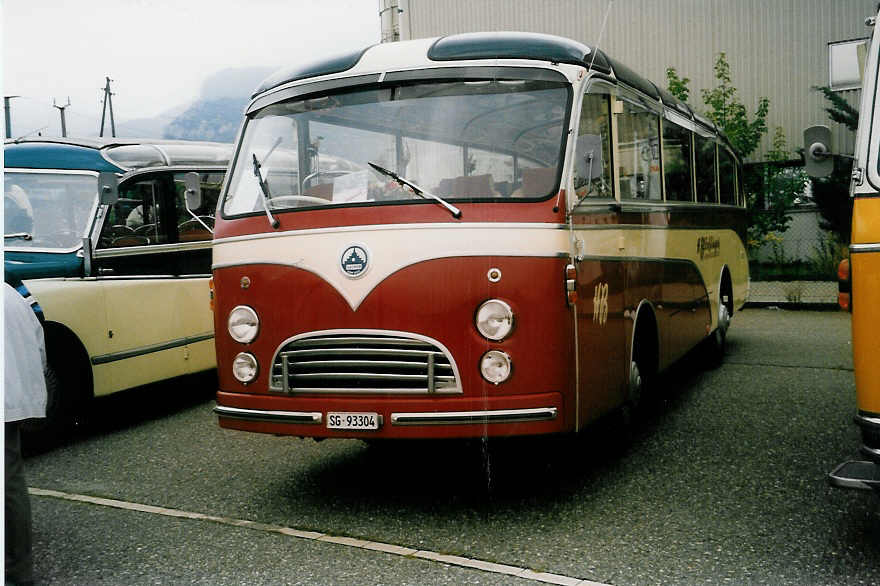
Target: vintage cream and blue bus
(97, 236)
(486, 234)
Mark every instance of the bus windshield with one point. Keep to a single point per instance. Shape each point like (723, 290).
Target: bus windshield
(459, 140)
(48, 210)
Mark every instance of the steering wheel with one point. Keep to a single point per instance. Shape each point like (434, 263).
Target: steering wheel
(193, 224)
(284, 201)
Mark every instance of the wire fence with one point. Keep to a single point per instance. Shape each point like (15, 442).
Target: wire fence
(798, 266)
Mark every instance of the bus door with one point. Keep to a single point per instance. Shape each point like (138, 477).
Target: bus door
(601, 332)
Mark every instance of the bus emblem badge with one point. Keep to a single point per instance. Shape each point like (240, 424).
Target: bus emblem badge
(354, 261)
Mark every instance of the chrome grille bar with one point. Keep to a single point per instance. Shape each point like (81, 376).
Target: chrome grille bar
(368, 363)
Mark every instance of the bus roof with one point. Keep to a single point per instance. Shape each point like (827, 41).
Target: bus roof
(112, 154)
(485, 46)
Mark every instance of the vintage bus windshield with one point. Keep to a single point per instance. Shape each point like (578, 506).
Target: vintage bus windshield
(459, 140)
(48, 210)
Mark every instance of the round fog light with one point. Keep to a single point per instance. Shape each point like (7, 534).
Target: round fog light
(244, 367)
(495, 366)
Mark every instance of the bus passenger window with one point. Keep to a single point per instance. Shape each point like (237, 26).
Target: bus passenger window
(136, 219)
(726, 177)
(638, 133)
(188, 227)
(592, 168)
(677, 162)
(705, 151)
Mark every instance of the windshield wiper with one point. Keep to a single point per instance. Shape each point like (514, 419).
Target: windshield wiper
(22, 235)
(456, 213)
(273, 221)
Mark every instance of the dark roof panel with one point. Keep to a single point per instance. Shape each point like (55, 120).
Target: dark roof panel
(49, 155)
(305, 70)
(513, 45)
(633, 79)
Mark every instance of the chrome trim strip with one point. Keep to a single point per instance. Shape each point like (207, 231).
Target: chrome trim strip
(144, 350)
(855, 248)
(152, 249)
(873, 453)
(313, 418)
(871, 422)
(467, 417)
(383, 227)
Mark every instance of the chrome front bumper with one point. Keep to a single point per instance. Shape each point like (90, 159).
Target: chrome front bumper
(421, 418)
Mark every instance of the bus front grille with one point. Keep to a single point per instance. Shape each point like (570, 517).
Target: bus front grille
(364, 363)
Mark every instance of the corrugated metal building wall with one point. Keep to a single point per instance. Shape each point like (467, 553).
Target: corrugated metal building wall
(776, 48)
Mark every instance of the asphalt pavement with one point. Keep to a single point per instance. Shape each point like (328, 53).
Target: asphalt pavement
(721, 481)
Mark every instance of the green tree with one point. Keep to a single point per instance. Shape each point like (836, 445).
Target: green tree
(677, 86)
(780, 185)
(731, 115)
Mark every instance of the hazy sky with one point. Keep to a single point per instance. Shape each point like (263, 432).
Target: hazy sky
(157, 52)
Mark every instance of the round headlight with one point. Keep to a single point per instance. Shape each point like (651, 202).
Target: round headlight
(244, 367)
(495, 366)
(243, 324)
(494, 319)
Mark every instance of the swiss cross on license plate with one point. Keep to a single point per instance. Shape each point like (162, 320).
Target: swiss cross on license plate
(353, 421)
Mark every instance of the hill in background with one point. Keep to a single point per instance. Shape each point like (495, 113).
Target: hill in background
(218, 112)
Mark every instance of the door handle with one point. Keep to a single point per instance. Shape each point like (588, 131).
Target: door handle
(106, 271)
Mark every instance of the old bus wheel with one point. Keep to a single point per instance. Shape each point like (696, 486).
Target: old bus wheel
(59, 421)
(716, 345)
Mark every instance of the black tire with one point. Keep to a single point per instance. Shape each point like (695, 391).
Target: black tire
(60, 417)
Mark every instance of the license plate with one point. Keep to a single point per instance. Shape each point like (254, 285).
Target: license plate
(352, 421)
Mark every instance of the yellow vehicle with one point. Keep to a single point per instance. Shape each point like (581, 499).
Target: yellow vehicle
(860, 276)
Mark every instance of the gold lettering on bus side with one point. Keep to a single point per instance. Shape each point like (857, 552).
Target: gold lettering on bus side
(708, 246)
(600, 304)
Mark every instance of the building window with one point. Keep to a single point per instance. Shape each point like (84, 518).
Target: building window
(846, 62)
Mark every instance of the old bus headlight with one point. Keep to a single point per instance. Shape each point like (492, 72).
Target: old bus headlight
(495, 366)
(244, 367)
(243, 324)
(494, 319)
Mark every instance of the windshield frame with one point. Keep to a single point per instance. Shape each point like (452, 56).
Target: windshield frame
(439, 75)
(90, 223)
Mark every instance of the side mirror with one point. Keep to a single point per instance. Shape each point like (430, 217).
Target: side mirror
(108, 187)
(193, 185)
(818, 160)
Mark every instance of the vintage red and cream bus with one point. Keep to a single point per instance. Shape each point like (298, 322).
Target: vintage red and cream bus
(487, 234)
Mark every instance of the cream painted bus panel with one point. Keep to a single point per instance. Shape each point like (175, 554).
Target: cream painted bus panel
(79, 305)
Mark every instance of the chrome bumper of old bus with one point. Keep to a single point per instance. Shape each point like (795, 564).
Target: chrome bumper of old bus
(269, 416)
(424, 418)
(465, 417)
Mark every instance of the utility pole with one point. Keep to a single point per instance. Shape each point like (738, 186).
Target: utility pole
(8, 114)
(61, 111)
(108, 99)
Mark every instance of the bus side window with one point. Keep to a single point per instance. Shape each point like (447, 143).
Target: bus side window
(189, 228)
(638, 132)
(677, 162)
(726, 176)
(705, 163)
(592, 165)
(136, 219)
